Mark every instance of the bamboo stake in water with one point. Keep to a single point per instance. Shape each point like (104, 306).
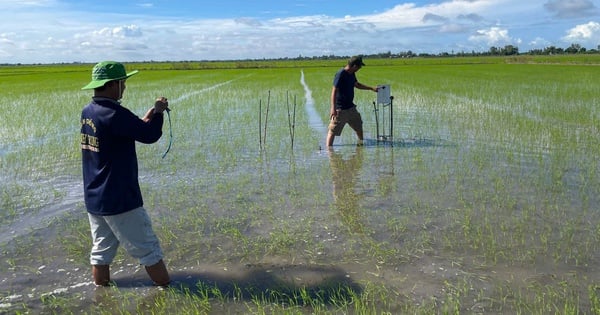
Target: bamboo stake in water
(267, 117)
(287, 103)
(294, 123)
(291, 118)
(260, 124)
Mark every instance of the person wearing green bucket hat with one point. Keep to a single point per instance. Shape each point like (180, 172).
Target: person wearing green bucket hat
(106, 71)
(112, 192)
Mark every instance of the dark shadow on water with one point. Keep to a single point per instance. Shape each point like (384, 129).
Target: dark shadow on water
(298, 284)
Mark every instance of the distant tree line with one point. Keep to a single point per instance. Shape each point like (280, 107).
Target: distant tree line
(508, 50)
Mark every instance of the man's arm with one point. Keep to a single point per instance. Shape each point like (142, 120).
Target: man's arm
(332, 111)
(361, 86)
(149, 115)
(160, 106)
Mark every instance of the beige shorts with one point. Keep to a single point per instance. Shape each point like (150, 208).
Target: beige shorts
(349, 116)
(132, 230)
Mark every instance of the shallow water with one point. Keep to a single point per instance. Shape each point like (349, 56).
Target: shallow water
(431, 217)
(314, 119)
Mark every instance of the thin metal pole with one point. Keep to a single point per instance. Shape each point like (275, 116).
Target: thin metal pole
(260, 124)
(392, 118)
(376, 119)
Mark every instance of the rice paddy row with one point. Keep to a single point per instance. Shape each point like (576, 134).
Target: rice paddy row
(485, 203)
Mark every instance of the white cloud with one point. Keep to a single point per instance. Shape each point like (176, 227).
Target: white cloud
(32, 26)
(584, 34)
(119, 32)
(5, 38)
(493, 36)
(539, 42)
(249, 22)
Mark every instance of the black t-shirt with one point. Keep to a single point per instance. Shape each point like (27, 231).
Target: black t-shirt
(344, 81)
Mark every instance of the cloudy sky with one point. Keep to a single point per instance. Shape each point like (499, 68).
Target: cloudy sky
(48, 31)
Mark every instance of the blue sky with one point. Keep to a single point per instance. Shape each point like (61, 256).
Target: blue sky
(48, 31)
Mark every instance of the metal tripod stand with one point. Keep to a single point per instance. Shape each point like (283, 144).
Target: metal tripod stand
(381, 107)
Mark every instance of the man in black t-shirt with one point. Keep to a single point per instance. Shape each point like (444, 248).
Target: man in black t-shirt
(343, 110)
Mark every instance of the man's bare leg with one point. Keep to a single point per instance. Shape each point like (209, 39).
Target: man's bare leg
(359, 134)
(158, 273)
(101, 274)
(330, 138)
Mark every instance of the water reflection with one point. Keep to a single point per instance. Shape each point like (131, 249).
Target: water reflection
(345, 172)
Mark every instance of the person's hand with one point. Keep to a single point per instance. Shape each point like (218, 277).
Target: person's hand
(161, 104)
(375, 89)
(334, 113)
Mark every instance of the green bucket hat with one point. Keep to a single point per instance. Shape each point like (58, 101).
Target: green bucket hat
(107, 71)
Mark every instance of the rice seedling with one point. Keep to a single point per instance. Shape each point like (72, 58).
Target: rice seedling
(484, 202)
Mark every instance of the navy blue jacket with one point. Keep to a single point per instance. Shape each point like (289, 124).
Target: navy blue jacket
(110, 170)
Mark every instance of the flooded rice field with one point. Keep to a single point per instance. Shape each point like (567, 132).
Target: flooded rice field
(471, 207)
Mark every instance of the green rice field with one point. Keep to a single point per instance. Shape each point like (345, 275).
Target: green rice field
(484, 200)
